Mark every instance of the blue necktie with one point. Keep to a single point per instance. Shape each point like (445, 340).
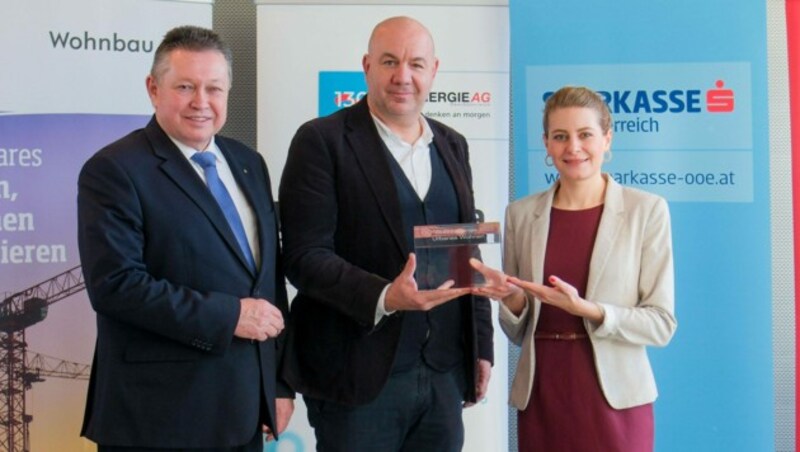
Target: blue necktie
(208, 161)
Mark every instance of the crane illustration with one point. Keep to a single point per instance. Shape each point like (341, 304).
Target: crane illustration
(20, 368)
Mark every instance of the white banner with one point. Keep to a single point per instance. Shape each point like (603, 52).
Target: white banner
(73, 81)
(309, 64)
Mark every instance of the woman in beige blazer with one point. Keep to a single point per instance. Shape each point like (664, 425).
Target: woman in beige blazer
(587, 284)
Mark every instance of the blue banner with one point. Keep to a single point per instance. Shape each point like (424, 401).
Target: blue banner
(686, 83)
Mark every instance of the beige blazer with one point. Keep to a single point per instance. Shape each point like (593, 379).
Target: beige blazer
(630, 276)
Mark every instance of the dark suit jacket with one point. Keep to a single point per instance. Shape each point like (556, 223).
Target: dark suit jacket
(343, 243)
(165, 274)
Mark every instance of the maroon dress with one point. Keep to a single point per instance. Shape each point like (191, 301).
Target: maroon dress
(567, 410)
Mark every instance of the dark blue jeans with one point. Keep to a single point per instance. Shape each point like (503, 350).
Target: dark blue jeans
(256, 444)
(417, 410)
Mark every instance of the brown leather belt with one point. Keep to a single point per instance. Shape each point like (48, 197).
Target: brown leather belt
(559, 336)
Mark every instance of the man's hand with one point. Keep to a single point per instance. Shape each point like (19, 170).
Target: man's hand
(284, 408)
(483, 374)
(498, 287)
(403, 294)
(258, 320)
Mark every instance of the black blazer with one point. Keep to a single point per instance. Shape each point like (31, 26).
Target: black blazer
(343, 243)
(165, 274)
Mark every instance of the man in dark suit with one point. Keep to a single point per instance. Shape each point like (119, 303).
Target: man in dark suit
(384, 364)
(185, 277)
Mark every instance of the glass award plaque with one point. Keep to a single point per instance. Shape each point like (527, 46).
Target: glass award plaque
(443, 252)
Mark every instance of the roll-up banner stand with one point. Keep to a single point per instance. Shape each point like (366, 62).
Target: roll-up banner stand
(697, 92)
(309, 65)
(73, 80)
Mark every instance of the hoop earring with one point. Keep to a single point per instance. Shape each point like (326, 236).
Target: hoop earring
(607, 156)
(548, 160)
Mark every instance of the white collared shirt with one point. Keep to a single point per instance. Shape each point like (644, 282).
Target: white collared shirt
(226, 176)
(414, 158)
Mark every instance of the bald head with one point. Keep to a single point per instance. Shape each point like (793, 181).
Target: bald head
(402, 28)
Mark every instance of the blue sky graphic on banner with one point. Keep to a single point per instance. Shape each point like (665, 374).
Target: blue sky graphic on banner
(686, 83)
(40, 157)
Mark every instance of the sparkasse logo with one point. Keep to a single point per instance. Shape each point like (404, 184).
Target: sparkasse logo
(717, 100)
